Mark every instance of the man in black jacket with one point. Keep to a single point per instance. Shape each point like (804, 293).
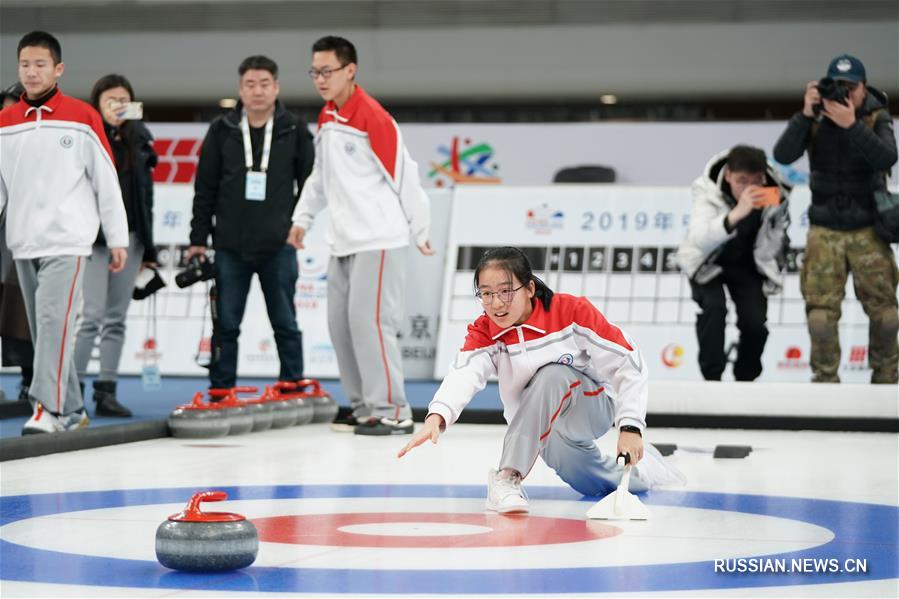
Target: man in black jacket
(850, 145)
(252, 166)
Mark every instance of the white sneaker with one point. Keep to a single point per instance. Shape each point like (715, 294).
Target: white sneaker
(505, 495)
(75, 420)
(653, 470)
(42, 421)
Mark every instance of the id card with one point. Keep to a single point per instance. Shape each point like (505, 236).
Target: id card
(255, 186)
(150, 377)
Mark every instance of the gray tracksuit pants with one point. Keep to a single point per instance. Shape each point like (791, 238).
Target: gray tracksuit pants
(366, 294)
(106, 299)
(51, 288)
(562, 413)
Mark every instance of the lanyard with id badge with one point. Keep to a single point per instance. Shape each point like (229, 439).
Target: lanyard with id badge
(255, 189)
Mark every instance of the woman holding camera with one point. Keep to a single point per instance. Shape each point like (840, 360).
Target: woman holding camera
(107, 294)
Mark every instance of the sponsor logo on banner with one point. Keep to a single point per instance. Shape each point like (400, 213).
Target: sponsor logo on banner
(544, 220)
(265, 353)
(310, 294)
(672, 355)
(858, 358)
(792, 359)
(320, 354)
(464, 163)
(177, 159)
(313, 267)
(416, 344)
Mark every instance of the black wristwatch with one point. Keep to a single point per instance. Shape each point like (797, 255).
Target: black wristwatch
(627, 428)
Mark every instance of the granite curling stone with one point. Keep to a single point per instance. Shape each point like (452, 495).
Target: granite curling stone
(324, 406)
(197, 541)
(198, 420)
(305, 410)
(260, 409)
(239, 416)
(284, 408)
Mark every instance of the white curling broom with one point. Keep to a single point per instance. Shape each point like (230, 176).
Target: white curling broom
(620, 504)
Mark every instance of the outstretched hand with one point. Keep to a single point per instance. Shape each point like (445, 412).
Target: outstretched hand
(430, 430)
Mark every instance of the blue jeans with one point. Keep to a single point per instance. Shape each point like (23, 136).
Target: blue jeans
(277, 274)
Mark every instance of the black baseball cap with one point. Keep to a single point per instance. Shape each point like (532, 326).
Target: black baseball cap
(846, 68)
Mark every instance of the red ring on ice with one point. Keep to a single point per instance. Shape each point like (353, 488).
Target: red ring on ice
(504, 530)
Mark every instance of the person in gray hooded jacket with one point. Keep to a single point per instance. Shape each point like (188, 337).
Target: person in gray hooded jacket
(737, 239)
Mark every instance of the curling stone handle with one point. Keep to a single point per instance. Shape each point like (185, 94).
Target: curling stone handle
(219, 392)
(285, 385)
(316, 386)
(193, 506)
(198, 399)
(246, 389)
(623, 459)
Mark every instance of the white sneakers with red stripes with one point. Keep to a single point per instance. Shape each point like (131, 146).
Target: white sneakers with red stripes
(505, 495)
(42, 421)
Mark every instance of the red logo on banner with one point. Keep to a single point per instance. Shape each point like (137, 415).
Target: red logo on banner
(792, 359)
(858, 358)
(177, 160)
(672, 355)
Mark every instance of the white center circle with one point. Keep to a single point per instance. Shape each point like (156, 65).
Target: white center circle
(415, 529)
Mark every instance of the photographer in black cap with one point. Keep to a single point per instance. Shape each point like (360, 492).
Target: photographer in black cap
(848, 132)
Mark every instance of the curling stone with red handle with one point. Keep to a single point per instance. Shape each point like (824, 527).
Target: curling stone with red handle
(238, 414)
(259, 408)
(199, 541)
(305, 411)
(285, 407)
(198, 420)
(323, 404)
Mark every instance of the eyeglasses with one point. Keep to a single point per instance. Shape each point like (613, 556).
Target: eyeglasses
(749, 179)
(505, 296)
(325, 72)
(850, 85)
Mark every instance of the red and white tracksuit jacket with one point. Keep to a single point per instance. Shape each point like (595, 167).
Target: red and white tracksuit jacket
(58, 178)
(364, 175)
(572, 332)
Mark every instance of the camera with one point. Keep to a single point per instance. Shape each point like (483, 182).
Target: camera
(153, 285)
(196, 270)
(830, 90)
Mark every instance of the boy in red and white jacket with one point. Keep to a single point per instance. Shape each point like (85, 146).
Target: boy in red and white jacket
(366, 178)
(566, 376)
(58, 184)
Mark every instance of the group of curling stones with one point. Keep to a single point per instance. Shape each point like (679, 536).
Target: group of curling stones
(198, 541)
(242, 410)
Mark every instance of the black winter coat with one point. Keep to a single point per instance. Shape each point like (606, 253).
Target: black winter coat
(136, 181)
(847, 165)
(249, 228)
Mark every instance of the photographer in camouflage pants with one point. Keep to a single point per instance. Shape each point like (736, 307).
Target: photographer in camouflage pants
(849, 136)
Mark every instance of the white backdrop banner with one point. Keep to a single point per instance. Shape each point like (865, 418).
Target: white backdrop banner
(531, 154)
(616, 245)
(606, 223)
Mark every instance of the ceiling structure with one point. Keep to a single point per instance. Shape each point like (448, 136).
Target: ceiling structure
(468, 51)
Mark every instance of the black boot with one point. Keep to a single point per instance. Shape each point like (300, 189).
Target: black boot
(23, 393)
(107, 405)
